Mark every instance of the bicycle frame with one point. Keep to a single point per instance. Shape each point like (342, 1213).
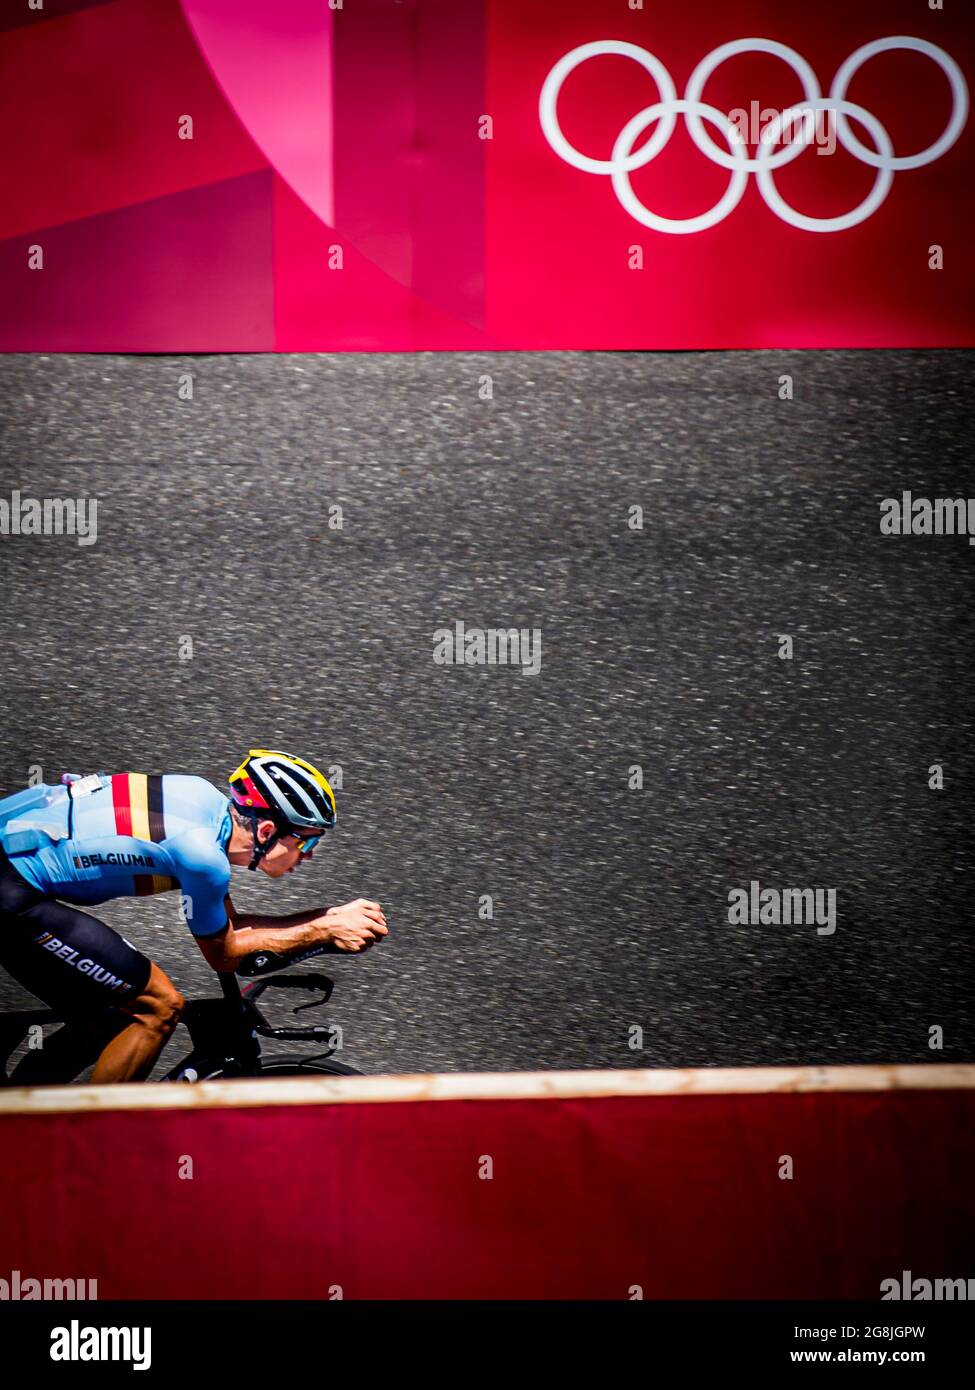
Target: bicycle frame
(224, 1032)
(13, 1031)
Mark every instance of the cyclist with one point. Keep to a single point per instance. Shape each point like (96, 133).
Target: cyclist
(131, 834)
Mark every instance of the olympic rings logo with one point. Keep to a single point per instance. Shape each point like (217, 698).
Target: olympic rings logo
(664, 112)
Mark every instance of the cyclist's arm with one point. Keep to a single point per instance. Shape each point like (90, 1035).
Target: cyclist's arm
(245, 933)
(352, 927)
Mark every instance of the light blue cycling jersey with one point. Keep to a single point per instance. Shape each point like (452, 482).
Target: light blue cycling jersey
(124, 835)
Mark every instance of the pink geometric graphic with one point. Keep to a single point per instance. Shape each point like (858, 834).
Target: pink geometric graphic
(190, 272)
(92, 105)
(277, 78)
(358, 308)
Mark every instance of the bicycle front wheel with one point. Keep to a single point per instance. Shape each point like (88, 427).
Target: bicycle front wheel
(289, 1066)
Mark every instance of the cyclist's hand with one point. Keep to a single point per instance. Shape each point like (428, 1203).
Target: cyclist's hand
(355, 926)
(371, 909)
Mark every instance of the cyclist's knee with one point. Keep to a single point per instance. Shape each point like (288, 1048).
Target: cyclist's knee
(169, 1010)
(160, 1006)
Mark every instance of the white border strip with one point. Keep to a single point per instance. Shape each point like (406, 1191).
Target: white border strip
(514, 1085)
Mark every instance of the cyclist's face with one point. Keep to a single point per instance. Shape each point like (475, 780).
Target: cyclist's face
(283, 856)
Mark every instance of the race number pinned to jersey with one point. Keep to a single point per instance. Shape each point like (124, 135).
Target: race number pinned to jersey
(84, 786)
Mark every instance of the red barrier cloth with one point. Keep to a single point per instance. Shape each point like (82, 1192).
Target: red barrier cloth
(589, 1198)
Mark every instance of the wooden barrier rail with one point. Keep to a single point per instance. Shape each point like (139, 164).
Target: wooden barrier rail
(453, 1086)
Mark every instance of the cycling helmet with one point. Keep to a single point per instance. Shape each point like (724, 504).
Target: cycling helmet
(285, 789)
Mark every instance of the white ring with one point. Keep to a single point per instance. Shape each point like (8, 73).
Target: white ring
(870, 204)
(959, 94)
(553, 85)
(621, 179)
(707, 65)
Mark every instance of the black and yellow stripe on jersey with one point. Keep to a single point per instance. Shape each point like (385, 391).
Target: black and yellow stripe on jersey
(137, 798)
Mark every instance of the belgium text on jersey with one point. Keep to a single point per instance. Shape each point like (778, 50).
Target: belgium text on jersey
(92, 861)
(85, 965)
(76, 1343)
(50, 516)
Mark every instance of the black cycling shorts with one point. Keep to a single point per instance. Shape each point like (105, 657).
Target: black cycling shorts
(75, 963)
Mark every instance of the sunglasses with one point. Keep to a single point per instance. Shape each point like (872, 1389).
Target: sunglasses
(306, 843)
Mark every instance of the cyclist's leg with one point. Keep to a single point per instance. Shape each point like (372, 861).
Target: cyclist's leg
(81, 968)
(131, 1055)
(67, 1053)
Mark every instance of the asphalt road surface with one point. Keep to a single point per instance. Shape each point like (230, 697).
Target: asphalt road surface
(659, 649)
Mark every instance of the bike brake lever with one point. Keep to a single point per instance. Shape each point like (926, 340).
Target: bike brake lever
(304, 982)
(320, 983)
(312, 1004)
(315, 982)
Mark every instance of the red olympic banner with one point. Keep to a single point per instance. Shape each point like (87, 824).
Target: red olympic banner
(218, 175)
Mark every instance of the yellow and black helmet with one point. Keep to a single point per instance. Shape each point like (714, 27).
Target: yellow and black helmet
(287, 789)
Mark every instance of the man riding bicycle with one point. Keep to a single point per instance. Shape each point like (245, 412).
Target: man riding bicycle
(131, 834)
